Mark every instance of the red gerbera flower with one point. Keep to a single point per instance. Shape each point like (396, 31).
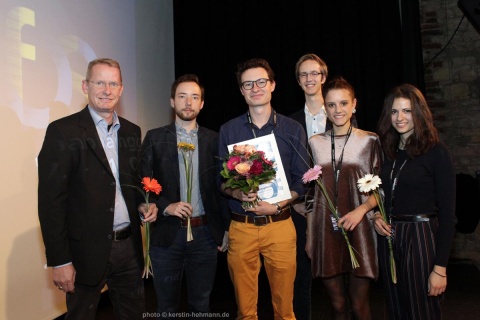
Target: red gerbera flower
(151, 185)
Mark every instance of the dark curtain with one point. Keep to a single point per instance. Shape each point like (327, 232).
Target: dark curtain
(413, 71)
(359, 40)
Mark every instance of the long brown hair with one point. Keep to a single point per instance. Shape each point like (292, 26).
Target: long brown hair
(424, 135)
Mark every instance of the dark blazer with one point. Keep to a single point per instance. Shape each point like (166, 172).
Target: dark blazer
(160, 160)
(299, 116)
(76, 194)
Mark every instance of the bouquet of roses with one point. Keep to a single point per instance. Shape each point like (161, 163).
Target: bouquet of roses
(372, 183)
(246, 168)
(314, 174)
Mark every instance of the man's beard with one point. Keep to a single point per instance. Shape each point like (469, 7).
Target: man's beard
(191, 116)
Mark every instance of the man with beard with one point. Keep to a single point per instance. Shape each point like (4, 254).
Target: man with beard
(172, 253)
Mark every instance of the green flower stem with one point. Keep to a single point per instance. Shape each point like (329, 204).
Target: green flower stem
(148, 263)
(329, 201)
(381, 207)
(250, 204)
(189, 175)
(187, 160)
(353, 258)
(333, 209)
(393, 268)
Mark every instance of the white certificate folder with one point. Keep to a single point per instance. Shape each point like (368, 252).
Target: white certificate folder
(277, 189)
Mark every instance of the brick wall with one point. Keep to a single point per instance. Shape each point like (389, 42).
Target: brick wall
(452, 80)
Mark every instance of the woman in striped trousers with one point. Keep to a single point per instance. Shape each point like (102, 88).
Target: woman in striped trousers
(419, 184)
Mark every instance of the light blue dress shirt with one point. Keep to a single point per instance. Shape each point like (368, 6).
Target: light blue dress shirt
(190, 137)
(109, 139)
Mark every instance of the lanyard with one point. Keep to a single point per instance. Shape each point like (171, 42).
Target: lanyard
(251, 123)
(336, 171)
(394, 182)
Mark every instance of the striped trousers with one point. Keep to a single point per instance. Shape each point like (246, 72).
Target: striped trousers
(414, 251)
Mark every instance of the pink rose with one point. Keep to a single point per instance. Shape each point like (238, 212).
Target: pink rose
(232, 162)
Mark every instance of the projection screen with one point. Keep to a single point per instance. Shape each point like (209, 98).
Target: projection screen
(45, 47)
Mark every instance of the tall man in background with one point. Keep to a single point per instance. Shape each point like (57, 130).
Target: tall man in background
(311, 73)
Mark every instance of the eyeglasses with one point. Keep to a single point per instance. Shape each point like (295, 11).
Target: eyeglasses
(261, 83)
(103, 84)
(312, 74)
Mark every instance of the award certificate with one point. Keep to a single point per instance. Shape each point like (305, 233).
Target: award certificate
(277, 189)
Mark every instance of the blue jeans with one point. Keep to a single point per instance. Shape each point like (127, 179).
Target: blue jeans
(197, 258)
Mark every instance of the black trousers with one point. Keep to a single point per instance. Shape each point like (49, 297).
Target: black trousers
(302, 298)
(125, 287)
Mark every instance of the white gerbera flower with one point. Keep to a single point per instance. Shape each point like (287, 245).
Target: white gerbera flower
(369, 183)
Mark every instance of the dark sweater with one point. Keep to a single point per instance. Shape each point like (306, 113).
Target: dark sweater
(426, 184)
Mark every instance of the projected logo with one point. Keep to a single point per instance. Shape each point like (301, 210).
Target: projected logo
(43, 67)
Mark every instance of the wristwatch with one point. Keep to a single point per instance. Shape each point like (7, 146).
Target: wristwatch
(279, 208)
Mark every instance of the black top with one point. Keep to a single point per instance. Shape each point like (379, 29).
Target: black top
(426, 184)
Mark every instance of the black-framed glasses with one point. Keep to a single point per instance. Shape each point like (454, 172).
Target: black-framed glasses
(103, 84)
(261, 83)
(312, 74)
